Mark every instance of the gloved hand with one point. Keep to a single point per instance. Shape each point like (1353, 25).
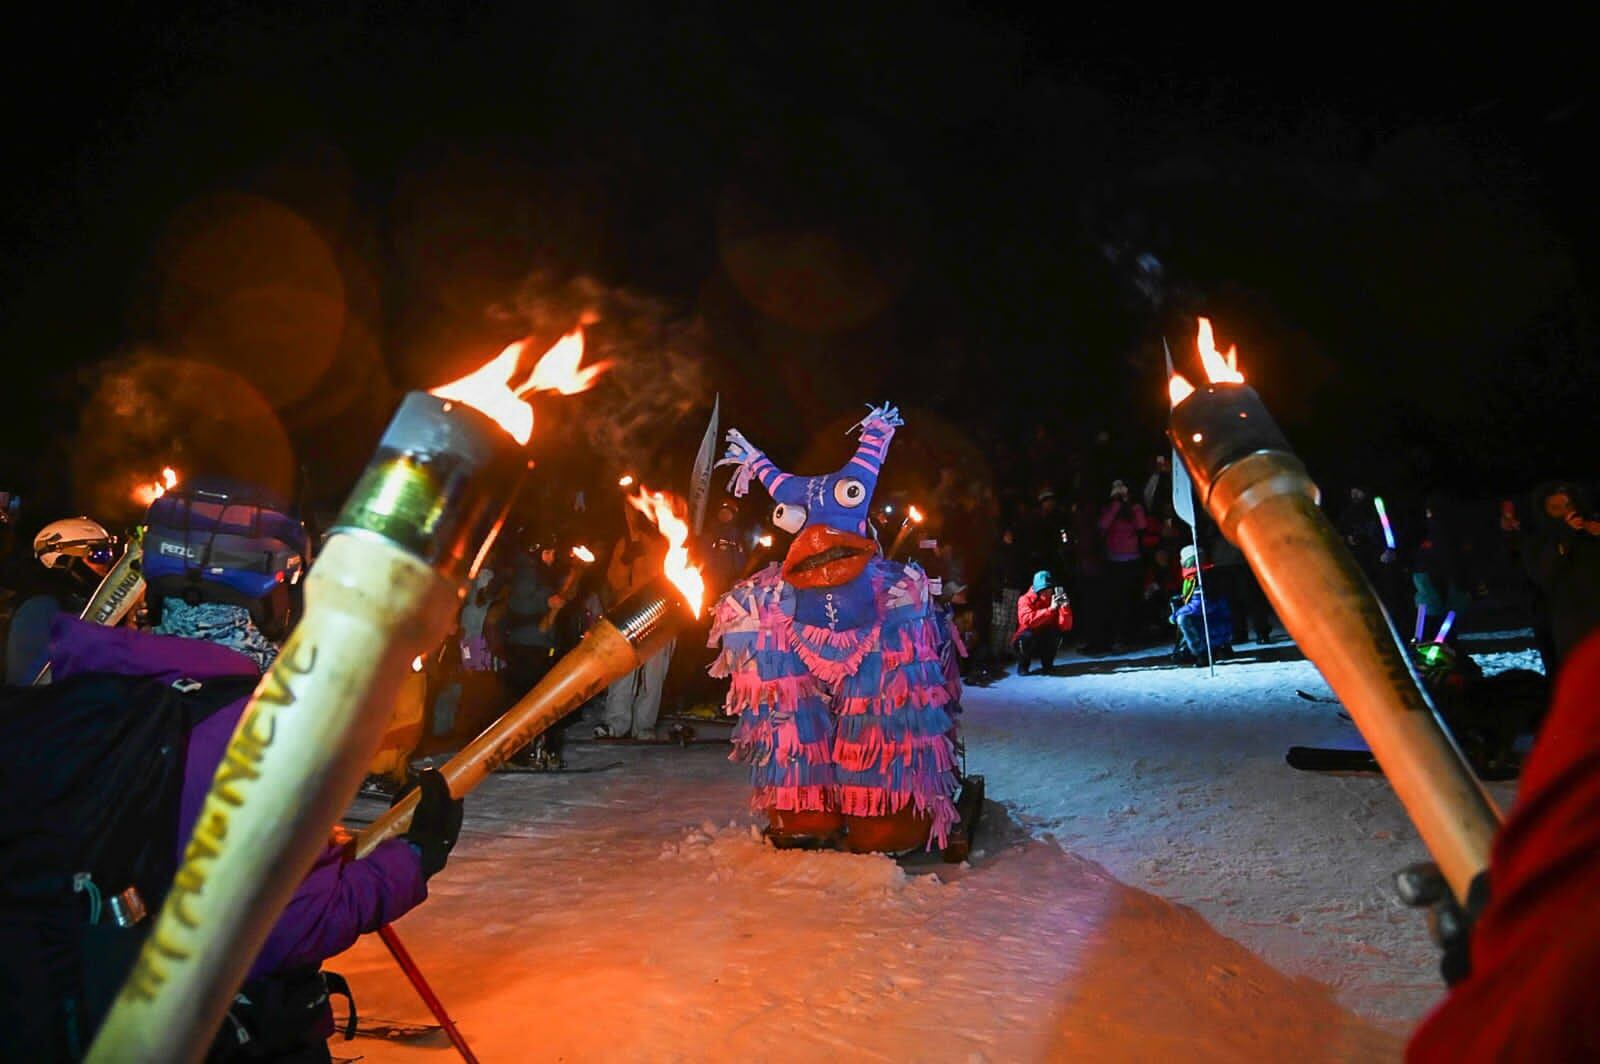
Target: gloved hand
(1423, 886)
(436, 824)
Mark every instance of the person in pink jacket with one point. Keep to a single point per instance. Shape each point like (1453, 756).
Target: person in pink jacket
(1121, 522)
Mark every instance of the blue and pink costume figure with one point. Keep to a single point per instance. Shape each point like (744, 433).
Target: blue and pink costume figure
(846, 714)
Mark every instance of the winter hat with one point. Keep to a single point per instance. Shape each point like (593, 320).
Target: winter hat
(1118, 488)
(1042, 580)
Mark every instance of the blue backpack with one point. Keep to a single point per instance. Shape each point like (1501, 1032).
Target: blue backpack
(213, 540)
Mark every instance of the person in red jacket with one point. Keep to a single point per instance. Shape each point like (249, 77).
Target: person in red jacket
(1043, 616)
(1534, 952)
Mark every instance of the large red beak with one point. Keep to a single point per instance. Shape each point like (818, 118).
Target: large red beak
(826, 557)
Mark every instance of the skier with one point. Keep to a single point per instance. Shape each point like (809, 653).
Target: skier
(220, 562)
(1199, 617)
(1044, 615)
(77, 552)
(633, 702)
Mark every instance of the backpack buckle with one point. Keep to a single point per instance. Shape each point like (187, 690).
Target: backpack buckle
(128, 908)
(186, 686)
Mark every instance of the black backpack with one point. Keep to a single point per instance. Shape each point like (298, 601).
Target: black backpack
(91, 773)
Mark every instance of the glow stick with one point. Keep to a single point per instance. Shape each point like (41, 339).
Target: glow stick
(1444, 629)
(1422, 620)
(1383, 518)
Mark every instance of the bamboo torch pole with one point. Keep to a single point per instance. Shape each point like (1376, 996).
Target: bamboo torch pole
(1250, 480)
(383, 591)
(620, 642)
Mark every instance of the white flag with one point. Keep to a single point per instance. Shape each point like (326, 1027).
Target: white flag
(1182, 487)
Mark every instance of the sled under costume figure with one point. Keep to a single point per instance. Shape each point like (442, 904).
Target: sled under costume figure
(837, 664)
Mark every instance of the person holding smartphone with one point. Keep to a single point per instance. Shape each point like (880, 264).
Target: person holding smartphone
(1044, 615)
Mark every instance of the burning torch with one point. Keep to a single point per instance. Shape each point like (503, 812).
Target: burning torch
(621, 641)
(582, 557)
(1259, 493)
(912, 520)
(385, 589)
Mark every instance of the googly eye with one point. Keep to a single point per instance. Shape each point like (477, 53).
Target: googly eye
(850, 492)
(789, 518)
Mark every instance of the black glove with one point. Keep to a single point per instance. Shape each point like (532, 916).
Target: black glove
(1423, 886)
(436, 824)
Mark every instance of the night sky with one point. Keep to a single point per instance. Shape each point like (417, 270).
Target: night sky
(232, 237)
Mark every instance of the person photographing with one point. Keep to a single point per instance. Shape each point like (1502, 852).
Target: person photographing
(1044, 615)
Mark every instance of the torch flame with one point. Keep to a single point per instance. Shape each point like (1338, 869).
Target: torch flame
(488, 389)
(145, 494)
(663, 512)
(583, 554)
(1219, 368)
(915, 515)
(1179, 388)
(558, 370)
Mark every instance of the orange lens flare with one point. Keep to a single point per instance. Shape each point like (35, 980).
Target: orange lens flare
(1220, 368)
(1179, 388)
(583, 554)
(669, 516)
(488, 389)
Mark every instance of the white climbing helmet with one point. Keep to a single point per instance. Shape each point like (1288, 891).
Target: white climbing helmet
(59, 542)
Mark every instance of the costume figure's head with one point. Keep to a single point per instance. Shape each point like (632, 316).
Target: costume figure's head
(829, 514)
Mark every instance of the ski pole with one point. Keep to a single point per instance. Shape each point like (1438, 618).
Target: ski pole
(419, 983)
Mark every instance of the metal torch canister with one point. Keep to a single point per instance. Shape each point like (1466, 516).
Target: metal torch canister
(384, 590)
(619, 642)
(1251, 482)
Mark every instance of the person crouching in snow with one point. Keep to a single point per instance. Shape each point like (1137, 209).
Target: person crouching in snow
(1196, 615)
(222, 565)
(1043, 616)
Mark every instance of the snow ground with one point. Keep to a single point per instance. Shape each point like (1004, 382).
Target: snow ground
(1154, 884)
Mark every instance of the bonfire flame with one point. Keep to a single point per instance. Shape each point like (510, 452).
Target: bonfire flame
(145, 494)
(915, 515)
(583, 554)
(488, 389)
(625, 480)
(1220, 368)
(667, 514)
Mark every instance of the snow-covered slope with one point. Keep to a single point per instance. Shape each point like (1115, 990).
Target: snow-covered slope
(633, 913)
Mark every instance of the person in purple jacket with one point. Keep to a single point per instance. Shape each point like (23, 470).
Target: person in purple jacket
(209, 626)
